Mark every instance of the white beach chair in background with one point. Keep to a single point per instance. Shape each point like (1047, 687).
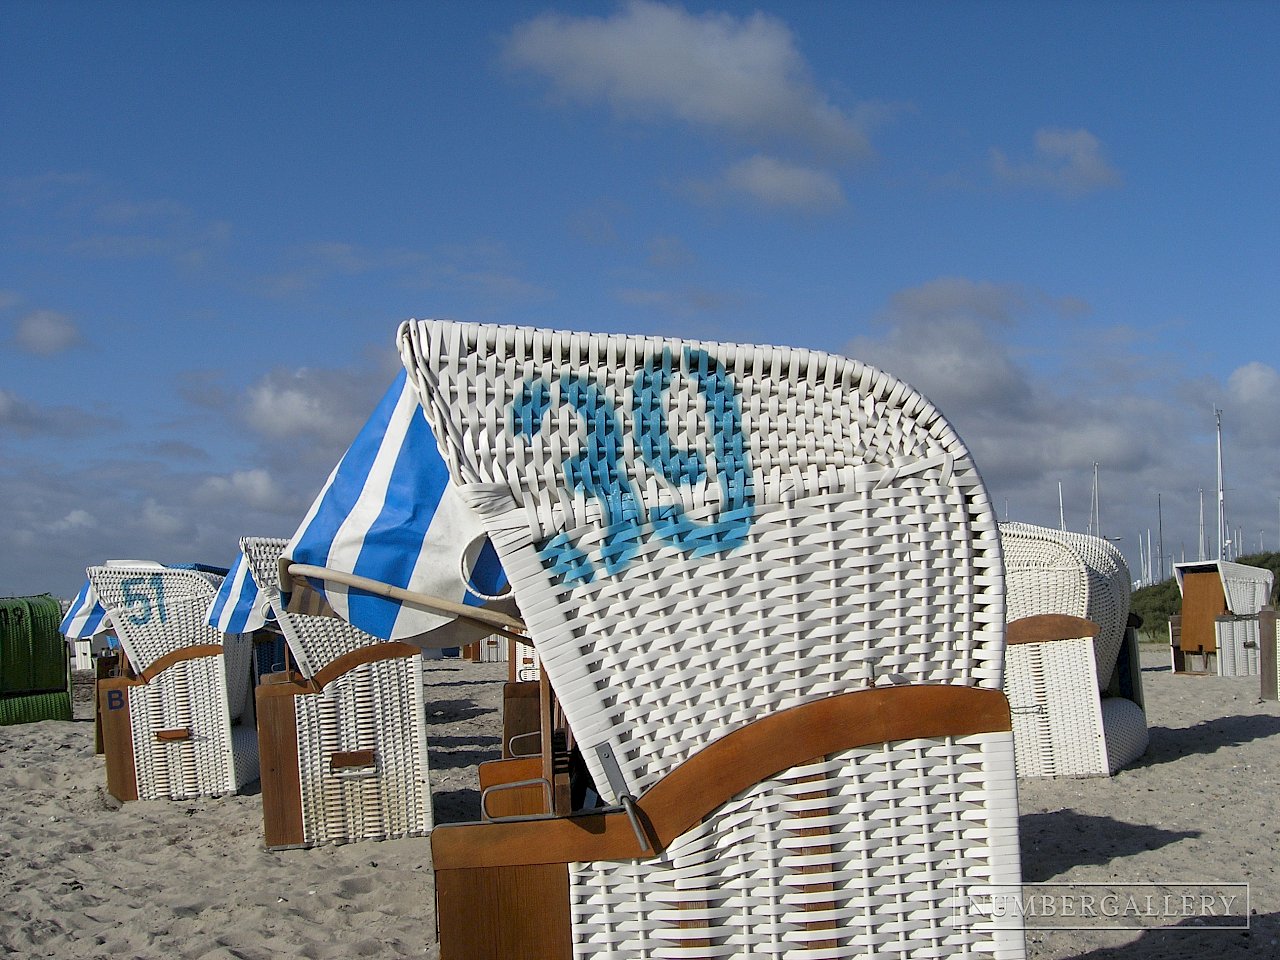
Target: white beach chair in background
(343, 738)
(765, 585)
(1072, 675)
(180, 723)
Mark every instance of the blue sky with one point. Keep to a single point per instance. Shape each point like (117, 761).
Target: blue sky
(1057, 220)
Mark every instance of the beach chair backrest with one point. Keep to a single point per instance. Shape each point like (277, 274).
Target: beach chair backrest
(156, 610)
(314, 641)
(702, 534)
(1057, 571)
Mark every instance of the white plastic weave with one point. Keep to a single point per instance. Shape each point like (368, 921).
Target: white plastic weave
(191, 695)
(702, 534)
(1238, 647)
(528, 667)
(154, 609)
(378, 706)
(313, 641)
(1125, 725)
(1056, 571)
(871, 852)
(1057, 714)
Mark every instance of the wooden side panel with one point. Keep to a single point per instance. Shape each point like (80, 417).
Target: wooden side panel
(505, 913)
(518, 801)
(103, 668)
(278, 764)
(117, 737)
(520, 717)
(1203, 601)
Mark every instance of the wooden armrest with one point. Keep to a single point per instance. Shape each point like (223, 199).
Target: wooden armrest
(1047, 627)
(723, 769)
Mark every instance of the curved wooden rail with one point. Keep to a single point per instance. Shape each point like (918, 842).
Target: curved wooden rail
(1046, 627)
(725, 768)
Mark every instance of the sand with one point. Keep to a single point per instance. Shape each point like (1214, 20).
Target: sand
(85, 876)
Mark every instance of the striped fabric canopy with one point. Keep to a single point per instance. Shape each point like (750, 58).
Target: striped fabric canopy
(86, 616)
(390, 513)
(239, 606)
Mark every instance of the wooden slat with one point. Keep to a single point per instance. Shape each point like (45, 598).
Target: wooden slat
(175, 735)
(352, 759)
(532, 902)
(278, 764)
(724, 769)
(117, 736)
(1046, 627)
(520, 716)
(1203, 601)
(194, 652)
(356, 658)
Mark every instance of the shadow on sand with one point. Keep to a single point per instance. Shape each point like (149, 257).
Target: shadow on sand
(1055, 841)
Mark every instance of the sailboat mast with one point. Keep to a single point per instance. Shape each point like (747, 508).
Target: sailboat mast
(1222, 496)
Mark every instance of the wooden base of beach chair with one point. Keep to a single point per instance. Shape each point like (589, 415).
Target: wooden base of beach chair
(344, 754)
(614, 882)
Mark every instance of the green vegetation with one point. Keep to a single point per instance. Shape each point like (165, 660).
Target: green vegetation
(1157, 603)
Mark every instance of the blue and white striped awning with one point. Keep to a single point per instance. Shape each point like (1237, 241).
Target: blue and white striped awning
(389, 513)
(86, 616)
(239, 606)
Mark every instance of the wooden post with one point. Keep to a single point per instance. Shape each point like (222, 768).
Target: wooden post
(1175, 643)
(1267, 651)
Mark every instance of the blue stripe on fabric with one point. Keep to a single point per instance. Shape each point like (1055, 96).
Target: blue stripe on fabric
(347, 483)
(84, 616)
(394, 542)
(487, 576)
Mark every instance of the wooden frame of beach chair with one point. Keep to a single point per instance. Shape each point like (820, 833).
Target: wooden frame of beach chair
(765, 587)
(179, 722)
(343, 738)
(1072, 676)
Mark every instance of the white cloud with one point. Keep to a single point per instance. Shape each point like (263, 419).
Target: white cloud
(774, 183)
(739, 76)
(161, 520)
(46, 332)
(1069, 161)
(303, 404)
(254, 488)
(75, 521)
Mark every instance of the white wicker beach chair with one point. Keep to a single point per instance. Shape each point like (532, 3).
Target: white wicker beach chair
(344, 744)
(182, 724)
(766, 587)
(1073, 680)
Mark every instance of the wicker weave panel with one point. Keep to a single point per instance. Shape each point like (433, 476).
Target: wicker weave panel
(1125, 727)
(1057, 719)
(313, 641)
(866, 853)
(377, 706)
(1238, 650)
(156, 610)
(787, 525)
(1055, 571)
(190, 695)
(528, 666)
